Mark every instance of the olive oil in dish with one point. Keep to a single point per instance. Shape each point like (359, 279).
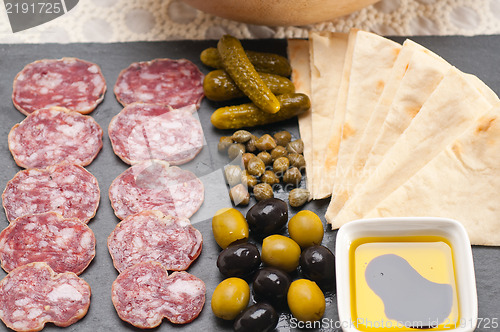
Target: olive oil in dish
(403, 284)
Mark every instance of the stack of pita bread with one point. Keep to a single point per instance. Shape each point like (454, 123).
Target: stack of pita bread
(395, 130)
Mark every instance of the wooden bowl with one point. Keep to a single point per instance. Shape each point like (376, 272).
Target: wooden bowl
(279, 12)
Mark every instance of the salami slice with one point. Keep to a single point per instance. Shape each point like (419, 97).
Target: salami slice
(69, 190)
(68, 82)
(67, 245)
(151, 235)
(144, 294)
(53, 136)
(153, 185)
(146, 131)
(176, 83)
(34, 294)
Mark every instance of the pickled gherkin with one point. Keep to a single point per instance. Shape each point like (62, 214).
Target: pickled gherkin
(249, 115)
(263, 62)
(243, 73)
(218, 85)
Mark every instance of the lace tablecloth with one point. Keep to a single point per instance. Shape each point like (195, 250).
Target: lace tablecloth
(133, 20)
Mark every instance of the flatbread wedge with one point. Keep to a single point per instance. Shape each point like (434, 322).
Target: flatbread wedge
(298, 55)
(372, 62)
(327, 53)
(461, 183)
(441, 120)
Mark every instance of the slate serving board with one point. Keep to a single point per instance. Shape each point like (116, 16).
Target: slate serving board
(478, 55)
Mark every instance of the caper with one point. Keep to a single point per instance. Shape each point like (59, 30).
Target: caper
(263, 191)
(256, 166)
(248, 180)
(241, 136)
(282, 137)
(239, 195)
(235, 150)
(270, 178)
(246, 157)
(296, 146)
(250, 145)
(280, 165)
(293, 176)
(279, 151)
(298, 197)
(265, 142)
(297, 160)
(265, 157)
(224, 143)
(233, 174)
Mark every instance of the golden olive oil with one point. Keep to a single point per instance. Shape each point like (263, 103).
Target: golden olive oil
(403, 284)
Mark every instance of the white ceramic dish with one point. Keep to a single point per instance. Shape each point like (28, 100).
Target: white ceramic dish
(452, 230)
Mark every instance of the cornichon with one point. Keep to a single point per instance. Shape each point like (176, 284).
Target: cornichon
(219, 86)
(249, 115)
(263, 62)
(245, 76)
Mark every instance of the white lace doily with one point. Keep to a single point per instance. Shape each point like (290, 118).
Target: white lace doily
(133, 20)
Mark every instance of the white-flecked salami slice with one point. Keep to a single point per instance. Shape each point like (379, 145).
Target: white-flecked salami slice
(147, 131)
(67, 245)
(34, 294)
(176, 83)
(144, 294)
(68, 82)
(54, 136)
(69, 190)
(153, 236)
(154, 185)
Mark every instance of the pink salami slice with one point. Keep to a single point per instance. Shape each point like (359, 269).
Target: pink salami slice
(68, 82)
(67, 245)
(153, 185)
(146, 131)
(69, 190)
(150, 235)
(176, 83)
(34, 294)
(53, 136)
(144, 294)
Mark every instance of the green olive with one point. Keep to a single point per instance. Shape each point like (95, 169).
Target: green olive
(297, 160)
(248, 180)
(270, 178)
(263, 191)
(281, 252)
(306, 228)
(250, 145)
(230, 298)
(235, 150)
(265, 157)
(241, 136)
(280, 165)
(256, 166)
(224, 143)
(279, 151)
(265, 142)
(306, 300)
(239, 195)
(292, 176)
(245, 158)
(228, 226)
(298, 197)
(296, 146)
(282, 137)
(233, 174)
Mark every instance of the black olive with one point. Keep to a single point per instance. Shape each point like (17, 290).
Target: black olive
(239, 260)
(271, 284)
(267, 216)
(318, 264)
(259, 317)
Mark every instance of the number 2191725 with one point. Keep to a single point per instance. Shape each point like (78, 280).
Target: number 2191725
(33, 8)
